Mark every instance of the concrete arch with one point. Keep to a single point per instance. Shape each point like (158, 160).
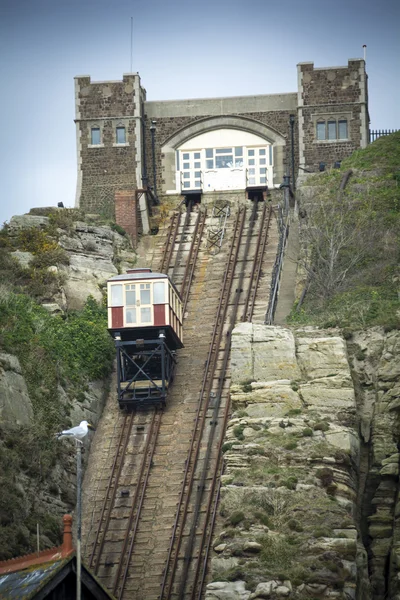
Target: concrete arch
(206, 124)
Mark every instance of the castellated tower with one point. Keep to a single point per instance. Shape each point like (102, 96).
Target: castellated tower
(109, 142)
(332, 106)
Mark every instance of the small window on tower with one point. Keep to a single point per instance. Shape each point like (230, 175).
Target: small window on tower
(95, 136)
(121, 135)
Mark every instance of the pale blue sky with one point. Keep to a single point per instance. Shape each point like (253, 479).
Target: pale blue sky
(181, 49)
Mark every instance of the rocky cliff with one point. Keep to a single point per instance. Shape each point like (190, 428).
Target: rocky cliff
(55, 361)
(309, 494)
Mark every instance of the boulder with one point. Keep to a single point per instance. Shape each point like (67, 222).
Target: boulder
(229, 590)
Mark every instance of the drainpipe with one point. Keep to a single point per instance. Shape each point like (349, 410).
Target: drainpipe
(292, 121)
(153, 151)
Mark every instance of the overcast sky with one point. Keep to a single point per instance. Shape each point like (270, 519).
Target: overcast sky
(181, 49)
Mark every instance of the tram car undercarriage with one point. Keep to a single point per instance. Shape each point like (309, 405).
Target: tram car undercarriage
(145, 320)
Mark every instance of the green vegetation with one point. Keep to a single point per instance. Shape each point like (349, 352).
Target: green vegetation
(52, 351)
(352, 239)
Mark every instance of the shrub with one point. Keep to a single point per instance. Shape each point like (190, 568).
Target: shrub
(321, 426)
(238, 432)
(307, 432)
(290, 445)
(236, 517)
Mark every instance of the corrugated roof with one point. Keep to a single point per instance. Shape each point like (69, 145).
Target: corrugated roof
(24, 584)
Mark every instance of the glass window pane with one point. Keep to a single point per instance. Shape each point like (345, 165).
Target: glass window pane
(262, 151)
(263, 180)
(223, 162)
(197, 183)
(263, 161)
(209, 164)
(343, 130)
(177, 160)
(252, 161)
(130, 315)
(185, 156)
(209, 153)
(252, 180)
(144, 296)
(121, 137)
(197, 165)
(95, 138)
(186, 165)
(116, 295)
(321, 130)
(270, 155)
(159, 292)
(250, 153)
(197, 155)
(197, 173)
(145, 315)
(252, 171)
(131, 298)
(331, 130)
(239, 151)
(186, 184)
(239, 162)
(263, 170)
(186, 175)
(224, 151)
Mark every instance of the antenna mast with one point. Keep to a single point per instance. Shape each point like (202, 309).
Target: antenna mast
(131, 43)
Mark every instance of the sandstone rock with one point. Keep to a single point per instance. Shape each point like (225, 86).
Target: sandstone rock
(264, 590)
(252, 547)
(221, 590)
(391, 469)
(27, 221)
(282, 590)
(274, 353)
(23, 258)
(53, 308)
(15, 403)
(322, 357)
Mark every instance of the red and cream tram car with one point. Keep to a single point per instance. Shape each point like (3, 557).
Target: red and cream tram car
(145, 320)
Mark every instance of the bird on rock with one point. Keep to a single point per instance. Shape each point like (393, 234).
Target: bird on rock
(78, 432)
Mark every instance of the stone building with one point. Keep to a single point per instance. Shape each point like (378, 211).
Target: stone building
(203, 147)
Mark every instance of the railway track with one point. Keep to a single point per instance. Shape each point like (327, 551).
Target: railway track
(182, 462)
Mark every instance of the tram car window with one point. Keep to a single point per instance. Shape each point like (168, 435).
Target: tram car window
(145, 320)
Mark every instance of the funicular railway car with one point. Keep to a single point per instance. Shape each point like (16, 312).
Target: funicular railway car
(145, 320)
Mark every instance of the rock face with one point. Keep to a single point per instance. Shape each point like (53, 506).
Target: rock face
(289, 493)
(309, 500)
(376, 373)
(15, 404)
(91, 250)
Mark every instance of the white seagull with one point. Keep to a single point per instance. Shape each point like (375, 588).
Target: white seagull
(77, 432)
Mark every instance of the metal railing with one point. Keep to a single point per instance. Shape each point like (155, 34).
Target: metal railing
(375, 134)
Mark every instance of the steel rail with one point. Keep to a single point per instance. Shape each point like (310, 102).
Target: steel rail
(193, 253)
(185, 300)
(107, 515)
(182, 236)
(166, 586)
(169, 245)
(134, 503)
(221, 381)
(154, 432)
